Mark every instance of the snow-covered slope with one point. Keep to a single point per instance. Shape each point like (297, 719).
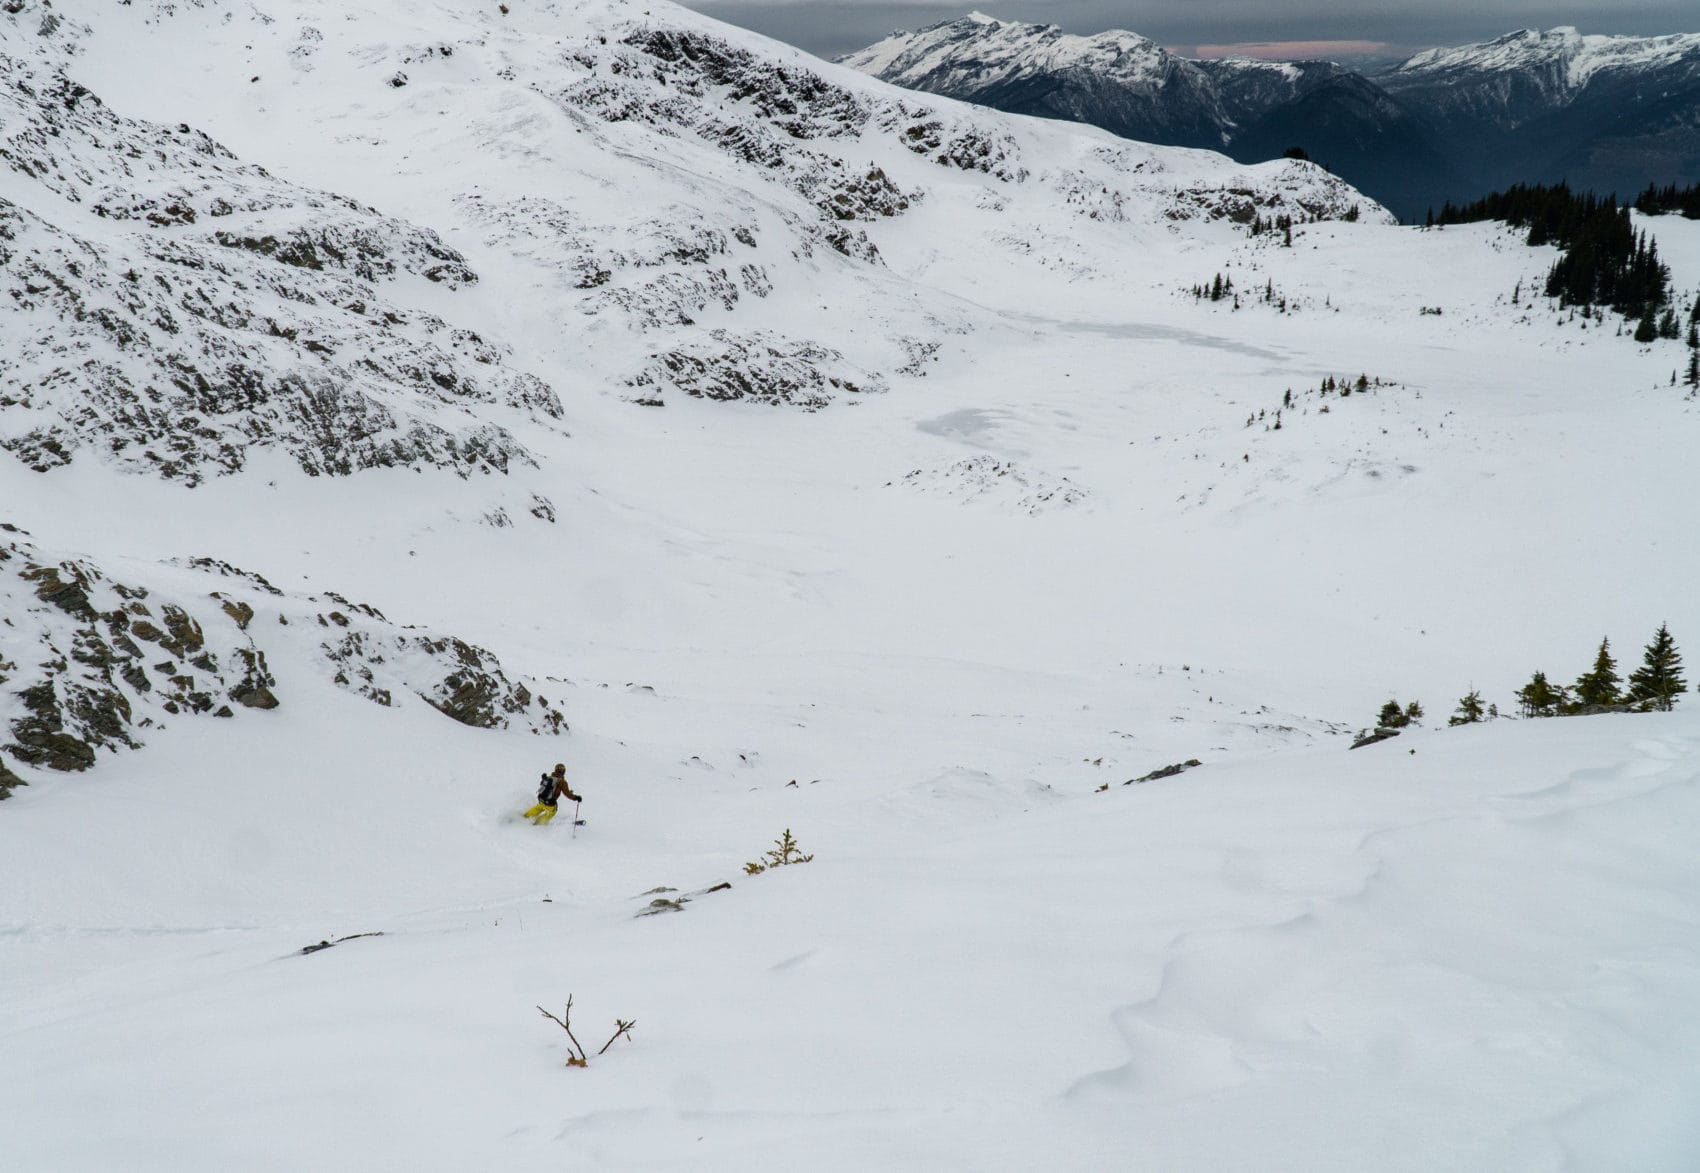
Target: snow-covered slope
(1056, 525)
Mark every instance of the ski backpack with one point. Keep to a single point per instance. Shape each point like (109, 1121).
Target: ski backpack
(546, 789)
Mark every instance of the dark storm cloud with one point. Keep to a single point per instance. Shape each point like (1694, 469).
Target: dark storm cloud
(832, 27)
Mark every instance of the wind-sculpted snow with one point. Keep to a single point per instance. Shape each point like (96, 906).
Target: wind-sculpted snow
(174, 309)
(89, 661)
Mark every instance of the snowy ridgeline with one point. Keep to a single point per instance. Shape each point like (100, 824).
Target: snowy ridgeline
(89, 662)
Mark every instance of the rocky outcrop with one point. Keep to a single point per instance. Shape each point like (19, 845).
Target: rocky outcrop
(758, 367)
(89, 663)
(219, 310)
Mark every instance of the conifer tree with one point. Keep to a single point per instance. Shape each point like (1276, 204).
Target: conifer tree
(1692, 379)
(1538, 698)
(1470, 709)
(1656, 684)
(1600, 687)
(1392, 716)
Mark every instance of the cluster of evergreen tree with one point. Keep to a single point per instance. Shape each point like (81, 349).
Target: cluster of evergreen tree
(1692, 378)
(1281, 224)
(1605, 262)
(1344, 387)
(1221, 287)
(1655, 685)
(1660, 201)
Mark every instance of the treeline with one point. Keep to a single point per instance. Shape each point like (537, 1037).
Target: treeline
(1661, 201)
(1653, 687)
(1605, 262)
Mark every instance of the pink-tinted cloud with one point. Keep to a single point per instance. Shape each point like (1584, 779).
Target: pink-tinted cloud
(1297, 50)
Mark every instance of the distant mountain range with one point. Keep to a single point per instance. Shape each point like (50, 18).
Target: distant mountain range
(1604, 112)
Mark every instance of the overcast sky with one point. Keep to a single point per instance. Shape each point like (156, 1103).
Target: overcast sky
(1392, 27)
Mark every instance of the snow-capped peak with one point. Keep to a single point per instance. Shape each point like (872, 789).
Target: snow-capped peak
(1580, 57)
(989, 49)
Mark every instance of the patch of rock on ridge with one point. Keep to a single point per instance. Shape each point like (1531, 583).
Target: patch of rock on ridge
(89, 663)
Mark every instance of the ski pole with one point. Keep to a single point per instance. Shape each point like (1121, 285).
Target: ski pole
(574, 835)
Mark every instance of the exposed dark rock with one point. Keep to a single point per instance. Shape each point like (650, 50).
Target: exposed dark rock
(306, 949)
(1381, 734)
(254, 690)
(40, 738)
(185, 634)
(1165, 772)
(70, 596)
(8, 780)
(761, 368)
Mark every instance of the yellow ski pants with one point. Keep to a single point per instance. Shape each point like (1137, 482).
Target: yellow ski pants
(540, 814)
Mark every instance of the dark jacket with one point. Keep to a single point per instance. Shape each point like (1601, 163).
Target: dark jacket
(550, 790)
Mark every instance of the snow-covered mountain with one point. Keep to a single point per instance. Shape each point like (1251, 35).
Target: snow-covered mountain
(1609, 112)
(1525, 74)
(1119, 80)
(401, 397)
(1131, 86)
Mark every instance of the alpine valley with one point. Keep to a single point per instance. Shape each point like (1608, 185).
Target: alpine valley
(951, 551)
(1604, 113)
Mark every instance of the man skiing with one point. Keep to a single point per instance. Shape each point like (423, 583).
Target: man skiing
(550, 791)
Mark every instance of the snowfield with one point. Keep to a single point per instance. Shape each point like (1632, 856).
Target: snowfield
(920, 522)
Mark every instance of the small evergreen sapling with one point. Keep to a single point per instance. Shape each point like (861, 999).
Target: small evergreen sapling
(1470, 709)
(1656, 684)
(784, 851)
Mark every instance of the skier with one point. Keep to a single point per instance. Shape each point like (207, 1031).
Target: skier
(550, 790)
